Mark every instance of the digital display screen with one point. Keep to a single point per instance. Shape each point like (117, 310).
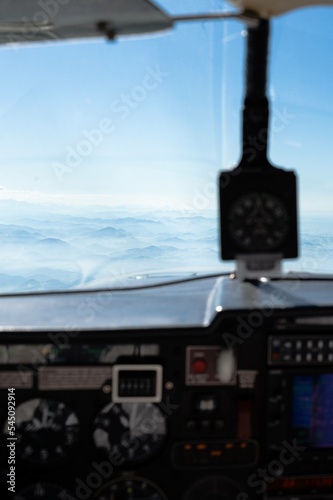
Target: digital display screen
(312, 410)
(301, 484)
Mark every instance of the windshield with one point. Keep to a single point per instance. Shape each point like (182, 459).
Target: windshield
(111, 150)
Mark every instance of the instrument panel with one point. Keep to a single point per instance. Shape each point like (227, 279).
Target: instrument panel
(187, 414)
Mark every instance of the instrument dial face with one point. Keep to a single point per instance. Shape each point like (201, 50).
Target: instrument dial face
(46, 430)
(132, 489)
(258, 222)
(40, 491)
(213, 488)
(134, 430)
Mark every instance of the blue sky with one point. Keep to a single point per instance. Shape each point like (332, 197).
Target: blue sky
(145, 125)
(166, 148)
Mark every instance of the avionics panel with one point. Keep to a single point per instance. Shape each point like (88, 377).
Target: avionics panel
(107, 416)
(300, 411)
(205, 433)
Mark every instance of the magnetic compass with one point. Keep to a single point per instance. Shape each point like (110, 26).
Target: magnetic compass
(258, 221)
(258, 213)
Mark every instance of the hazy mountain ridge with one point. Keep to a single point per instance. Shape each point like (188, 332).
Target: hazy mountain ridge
(44, 248)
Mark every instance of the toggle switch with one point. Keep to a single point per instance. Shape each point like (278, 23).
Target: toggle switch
(226, 366)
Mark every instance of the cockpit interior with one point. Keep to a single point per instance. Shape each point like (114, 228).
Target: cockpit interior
(166, 260)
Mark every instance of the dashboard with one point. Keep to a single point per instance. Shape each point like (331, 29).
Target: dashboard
(211, 389)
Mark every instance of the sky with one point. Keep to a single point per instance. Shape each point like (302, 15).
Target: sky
(152, 120)
(147, 123)
(149, 117)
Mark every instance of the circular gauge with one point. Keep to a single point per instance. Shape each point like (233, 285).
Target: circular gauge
(213, 488)
(131, 489)
(39, 491)
(135, 430)
(258, 222)
(46, 430)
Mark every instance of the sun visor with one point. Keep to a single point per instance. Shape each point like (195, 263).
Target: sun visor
(270, 8)
(25, 21)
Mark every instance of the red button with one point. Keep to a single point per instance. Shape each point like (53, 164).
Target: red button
(199, 365)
